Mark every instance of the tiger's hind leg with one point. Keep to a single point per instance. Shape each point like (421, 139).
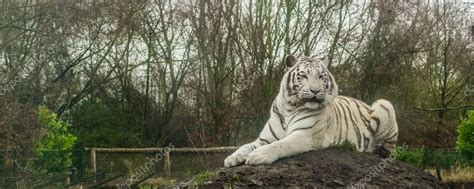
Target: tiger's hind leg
(383, 123)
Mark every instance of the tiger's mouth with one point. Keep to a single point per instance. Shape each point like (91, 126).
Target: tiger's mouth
(315, 99)
(312, 98)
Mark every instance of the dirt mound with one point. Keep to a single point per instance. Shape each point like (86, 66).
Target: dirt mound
(325, 168)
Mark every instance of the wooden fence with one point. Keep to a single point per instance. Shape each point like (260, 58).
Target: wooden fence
(167, 162)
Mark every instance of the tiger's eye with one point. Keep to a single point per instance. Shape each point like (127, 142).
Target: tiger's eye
(321, 76)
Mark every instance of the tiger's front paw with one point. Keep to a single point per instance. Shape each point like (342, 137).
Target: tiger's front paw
(234, 160)
(260, 156)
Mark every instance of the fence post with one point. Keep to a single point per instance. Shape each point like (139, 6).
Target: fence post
(167, 163)
(93, 161)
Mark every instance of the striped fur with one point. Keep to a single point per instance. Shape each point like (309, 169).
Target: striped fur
(308, 114)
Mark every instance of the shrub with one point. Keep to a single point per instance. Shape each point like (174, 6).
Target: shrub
(424, 158)
(465, 141)
(98, 124)
(443, 160)
(53, 152)
(412, 157)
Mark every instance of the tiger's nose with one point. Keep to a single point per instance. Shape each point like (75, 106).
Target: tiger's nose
(315, 91)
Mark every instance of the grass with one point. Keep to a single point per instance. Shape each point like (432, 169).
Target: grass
(203, 176)
(423, 158)
(345, 145)
(458, 174)
(158, 182)
(412, 157)
(145, 187)
(452, 166)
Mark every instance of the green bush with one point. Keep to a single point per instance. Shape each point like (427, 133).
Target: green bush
(442, 160)
(424, 158)
(465, 141)
(54, 150)
(98, 124)
(412, 157)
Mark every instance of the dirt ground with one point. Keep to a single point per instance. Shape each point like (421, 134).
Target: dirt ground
(325, 168)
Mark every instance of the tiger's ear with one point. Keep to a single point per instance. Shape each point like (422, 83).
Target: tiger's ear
(290, 61)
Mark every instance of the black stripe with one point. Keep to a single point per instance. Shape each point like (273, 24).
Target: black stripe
(311, 115)
(253, 146)
(312, 125)
(331, 79)
(367, 107)
(263, 140)
(390, 142)
(366, 142)
(282, 120)
(386, 109)
(370, 111)
(298, 111)
(334, 115)
(300, 129)
(288, 79)
(271, 130)
(354, 125)
(376, 119)
(274, 108)
(339, 119)
(365, 120)
(294, 79)
(345, 118)
(294, 114)
(393, 136)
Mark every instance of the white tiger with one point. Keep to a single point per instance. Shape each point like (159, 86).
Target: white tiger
(307, 114)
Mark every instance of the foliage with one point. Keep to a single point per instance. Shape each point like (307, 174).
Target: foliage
(203, 176)
(208, 78)
(443, 160)
(413, 157)
(465, 141)
(98, 124)
(19, 132)
(53, 152)
(424, 158)
(142, 73)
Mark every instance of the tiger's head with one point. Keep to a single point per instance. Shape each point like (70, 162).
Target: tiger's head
(307, 82)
